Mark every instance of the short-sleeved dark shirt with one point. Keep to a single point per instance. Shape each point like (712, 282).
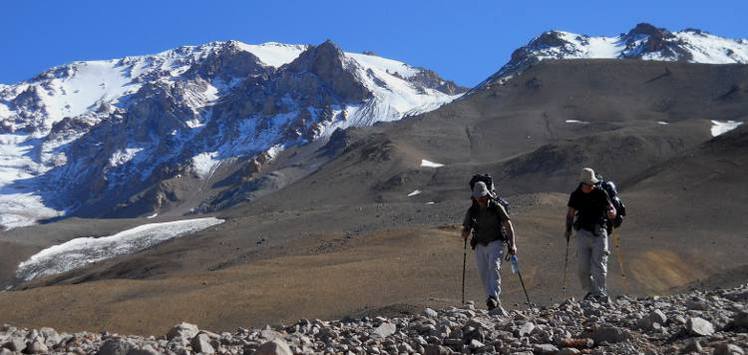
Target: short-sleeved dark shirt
(487, 222)
(592, 208)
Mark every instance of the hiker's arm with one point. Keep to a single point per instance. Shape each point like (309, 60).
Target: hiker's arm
(569, 221)
(467, 225)
(509, 229)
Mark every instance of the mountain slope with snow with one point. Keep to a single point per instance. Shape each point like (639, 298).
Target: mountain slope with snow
(104, 131)
(644, 42)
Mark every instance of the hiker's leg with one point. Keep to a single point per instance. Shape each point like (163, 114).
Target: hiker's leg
(481, 262)
(583, 259)
(600, 252)
(495, 253)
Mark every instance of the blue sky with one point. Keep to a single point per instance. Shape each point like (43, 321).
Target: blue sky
(465, 41)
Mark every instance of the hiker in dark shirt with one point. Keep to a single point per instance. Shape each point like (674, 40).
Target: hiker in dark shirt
(589, 207)
(492, 228)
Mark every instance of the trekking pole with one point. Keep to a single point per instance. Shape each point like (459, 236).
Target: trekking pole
(566, 265)
(464, 258)
(515, 270)
(619, 258)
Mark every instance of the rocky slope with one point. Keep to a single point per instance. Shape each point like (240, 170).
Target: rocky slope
(644, 42)
(101, 138)
(695, 322)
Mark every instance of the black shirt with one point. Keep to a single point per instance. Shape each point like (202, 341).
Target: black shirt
(487, 222)
(592, 208)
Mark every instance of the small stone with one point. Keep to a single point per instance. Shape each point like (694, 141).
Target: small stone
(115, 346)
(693, 346)
(201, 343)
(657, 316)
(544, 349)
(274, 347)
(36, 347)
(184, 330)
(145, 350)
(475, 344)
(428, 312)
(385, 329)
(525, 329)
(568, 351)
(608, 333)
(728, 349)
(15, 344)
(740, 320)
(699, 327)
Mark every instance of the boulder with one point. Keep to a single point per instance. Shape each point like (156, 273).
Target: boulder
(274, 347)
(699, 327)
(115, 346)
(728, 349)
(608, 333)
(184, 330)
(201, 343)
(544, 349)
(434, 349)
(36, 347)
(568, 351)
(385, 329)
(15, 344)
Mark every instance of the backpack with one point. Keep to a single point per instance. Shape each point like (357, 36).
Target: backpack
(610, 188)
(488, 180)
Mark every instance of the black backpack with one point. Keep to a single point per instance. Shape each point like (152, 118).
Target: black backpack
(610, 188)
(488, 180)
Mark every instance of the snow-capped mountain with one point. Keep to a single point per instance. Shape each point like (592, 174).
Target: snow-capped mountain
(94, 133)
(644, 42)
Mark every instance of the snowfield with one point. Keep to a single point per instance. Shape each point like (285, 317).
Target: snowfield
(79, 252)
(722, 127)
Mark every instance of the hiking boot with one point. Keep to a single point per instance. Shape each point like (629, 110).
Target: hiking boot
(491, 303)
(499, 311)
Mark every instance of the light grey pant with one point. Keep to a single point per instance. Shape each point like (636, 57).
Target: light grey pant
(488, 259)
(592, 256)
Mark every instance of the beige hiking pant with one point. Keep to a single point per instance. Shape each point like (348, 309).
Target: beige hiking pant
(488, 260)
(592, 258)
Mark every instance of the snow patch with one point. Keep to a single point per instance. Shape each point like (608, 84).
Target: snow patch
(414, 193)
(722, 127)
(274, 54)
(664, 123)
(204, 164)
(430, 164)
(577, 121)
(430, 203)
(152, 216)
(122, 156)
(79, 252)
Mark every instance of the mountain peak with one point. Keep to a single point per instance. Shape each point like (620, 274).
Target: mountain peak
(644, 42)
(649, 30)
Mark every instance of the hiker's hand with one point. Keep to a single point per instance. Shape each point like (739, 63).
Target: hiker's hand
(513, 250)
(465, 234)
(611, 213)
(567, 234)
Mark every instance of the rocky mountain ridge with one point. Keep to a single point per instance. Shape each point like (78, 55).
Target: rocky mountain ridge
(643, 42)
(98, 137)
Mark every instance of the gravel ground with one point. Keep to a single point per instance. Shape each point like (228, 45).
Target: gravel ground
(698, 321)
